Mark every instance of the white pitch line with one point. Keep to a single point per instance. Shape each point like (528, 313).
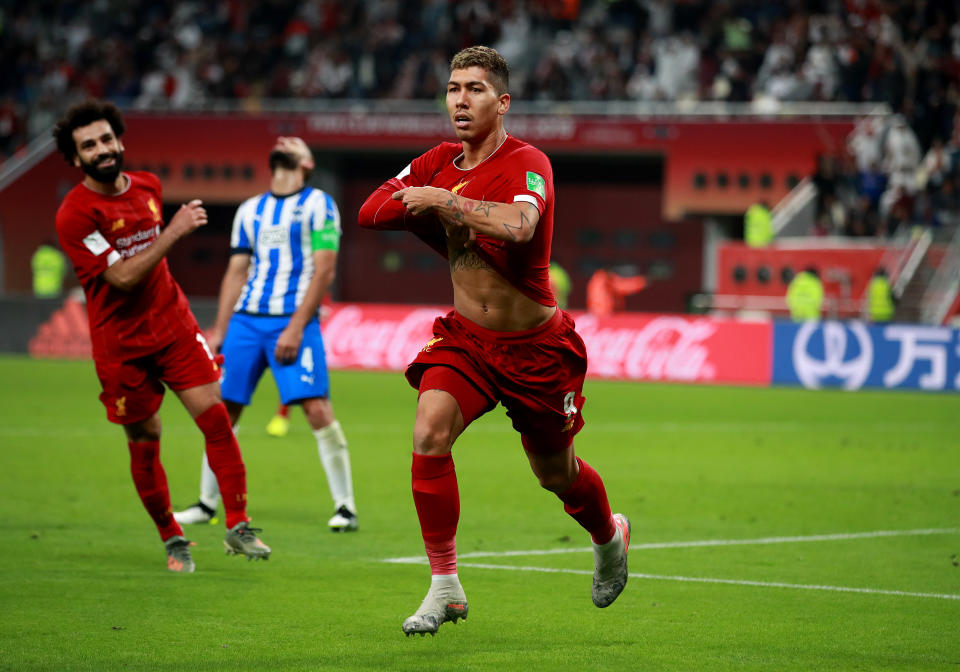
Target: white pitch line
(735, 582)
(421, 560)
(842, 536)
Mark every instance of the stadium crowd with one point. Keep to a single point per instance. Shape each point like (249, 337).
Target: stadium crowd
(186, 54)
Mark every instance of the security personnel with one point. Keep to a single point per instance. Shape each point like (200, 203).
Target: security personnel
(49, 268)
(880, 305)
(758, 225)
(805, 296)
(560, 283)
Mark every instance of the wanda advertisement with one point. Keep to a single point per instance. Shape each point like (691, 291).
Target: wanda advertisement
(674, 348)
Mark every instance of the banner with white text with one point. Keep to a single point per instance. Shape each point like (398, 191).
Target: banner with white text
(625, 346)
(852, 355)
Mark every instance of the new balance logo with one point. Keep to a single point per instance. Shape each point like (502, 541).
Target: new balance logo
(152, 204)
(431, 343)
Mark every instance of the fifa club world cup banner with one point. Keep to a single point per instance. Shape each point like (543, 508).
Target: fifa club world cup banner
(852, 355)
(675, 348)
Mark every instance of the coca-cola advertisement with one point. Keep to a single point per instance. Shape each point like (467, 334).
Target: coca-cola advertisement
(625, 346)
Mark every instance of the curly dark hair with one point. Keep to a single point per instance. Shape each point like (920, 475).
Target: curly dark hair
(83, 114)
(488, 59)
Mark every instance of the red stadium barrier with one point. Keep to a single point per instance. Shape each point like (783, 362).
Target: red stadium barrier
(627, 346)
(623, 346)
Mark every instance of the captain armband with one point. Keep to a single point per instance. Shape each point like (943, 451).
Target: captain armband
(325, 239)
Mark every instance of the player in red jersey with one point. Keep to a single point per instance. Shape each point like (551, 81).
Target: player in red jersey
(486, 204)
(141, 327)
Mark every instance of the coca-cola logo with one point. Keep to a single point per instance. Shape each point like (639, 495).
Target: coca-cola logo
(376, 338)
(665, 348)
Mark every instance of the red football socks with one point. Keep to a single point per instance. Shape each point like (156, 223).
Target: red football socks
(151, 482)
(223, 454)
(437, 498)
(586, 502)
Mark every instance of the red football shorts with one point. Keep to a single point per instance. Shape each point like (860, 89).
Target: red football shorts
(537, 375)
(133, 389)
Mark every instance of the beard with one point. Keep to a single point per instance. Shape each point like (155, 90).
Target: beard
(105, 175)
(279, 159)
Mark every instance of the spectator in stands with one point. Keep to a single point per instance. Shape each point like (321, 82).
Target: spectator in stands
(864, 144)
(946, 200)
(861, 218)
(871, 183)
(182, 54)
(901, 158)
(936, 165)
(832, 186)
(11, 126)
(898, 214)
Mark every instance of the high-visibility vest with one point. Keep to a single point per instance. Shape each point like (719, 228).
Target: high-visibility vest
(880, 299)
(560, 282)
(49, 267)
(805, 297)
(758, 226)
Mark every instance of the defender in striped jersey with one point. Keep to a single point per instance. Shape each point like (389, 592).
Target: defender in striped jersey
(283, 260)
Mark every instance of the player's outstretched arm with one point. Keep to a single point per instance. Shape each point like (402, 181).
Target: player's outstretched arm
(515, 222)
(125, 274)
(380, 211)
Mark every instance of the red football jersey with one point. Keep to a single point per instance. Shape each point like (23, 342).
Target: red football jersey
(95, 231)
(516, 171)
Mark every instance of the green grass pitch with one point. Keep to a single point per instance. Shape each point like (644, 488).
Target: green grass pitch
(759, 537)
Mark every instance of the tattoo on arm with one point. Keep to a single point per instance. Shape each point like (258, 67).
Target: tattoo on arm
(485, 207)
(459, 209)
(465, 206)
(525, 221)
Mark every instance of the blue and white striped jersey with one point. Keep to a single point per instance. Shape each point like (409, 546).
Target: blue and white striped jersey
(282, 233)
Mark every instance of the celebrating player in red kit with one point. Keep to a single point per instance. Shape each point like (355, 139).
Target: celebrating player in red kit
(486, 204)
(141, 327)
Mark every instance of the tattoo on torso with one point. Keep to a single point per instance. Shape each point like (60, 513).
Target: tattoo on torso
(464, 258)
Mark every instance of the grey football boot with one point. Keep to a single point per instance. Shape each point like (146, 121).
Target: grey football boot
(178, 555)
(242, 539)
(610, 564)
(442, 604)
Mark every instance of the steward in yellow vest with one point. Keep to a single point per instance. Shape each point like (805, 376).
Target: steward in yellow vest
(880, 304)
(49, 267)
(758, 225)
(805, 296)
